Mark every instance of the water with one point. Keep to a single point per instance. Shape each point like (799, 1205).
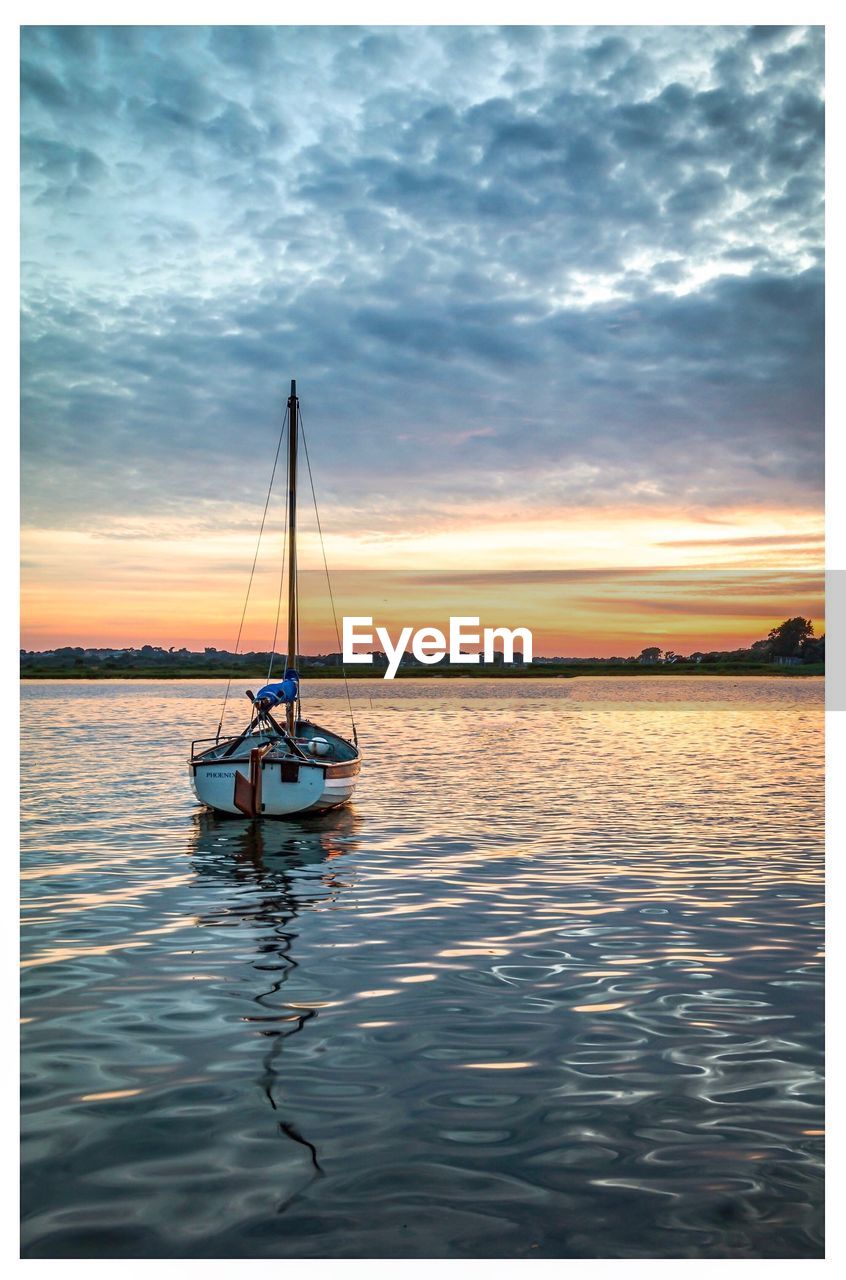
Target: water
(551, 988)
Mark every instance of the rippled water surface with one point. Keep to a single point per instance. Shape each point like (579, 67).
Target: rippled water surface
(551, 988)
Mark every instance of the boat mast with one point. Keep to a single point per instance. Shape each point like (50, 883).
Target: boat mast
(291, 710)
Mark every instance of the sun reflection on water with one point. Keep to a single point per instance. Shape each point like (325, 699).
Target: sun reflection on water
(553, 984)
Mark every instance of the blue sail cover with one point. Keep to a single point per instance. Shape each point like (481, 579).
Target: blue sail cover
(284, 691)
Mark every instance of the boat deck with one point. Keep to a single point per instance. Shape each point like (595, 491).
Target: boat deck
(236, 750)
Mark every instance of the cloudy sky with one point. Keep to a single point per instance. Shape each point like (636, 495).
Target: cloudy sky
(553, 298)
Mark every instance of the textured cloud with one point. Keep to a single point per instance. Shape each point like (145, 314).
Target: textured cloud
(575, 265)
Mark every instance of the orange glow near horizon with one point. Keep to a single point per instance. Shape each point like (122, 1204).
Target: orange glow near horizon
(181, 584)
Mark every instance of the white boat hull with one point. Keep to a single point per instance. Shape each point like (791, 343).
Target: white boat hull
(287, 786)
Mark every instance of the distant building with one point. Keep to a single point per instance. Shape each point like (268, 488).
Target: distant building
(787, 660)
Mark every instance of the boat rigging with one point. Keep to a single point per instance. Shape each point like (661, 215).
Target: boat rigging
(278, 767)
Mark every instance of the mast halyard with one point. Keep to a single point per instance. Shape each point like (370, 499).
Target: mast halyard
(291, 708)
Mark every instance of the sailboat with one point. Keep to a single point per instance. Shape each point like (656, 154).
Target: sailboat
(281, 764)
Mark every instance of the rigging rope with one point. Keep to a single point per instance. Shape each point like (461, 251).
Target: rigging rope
(328, 579)
(253, 569)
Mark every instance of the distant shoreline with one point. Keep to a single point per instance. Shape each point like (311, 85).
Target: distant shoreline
(567, 672)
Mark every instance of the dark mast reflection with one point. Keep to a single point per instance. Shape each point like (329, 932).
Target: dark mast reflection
(260, 856)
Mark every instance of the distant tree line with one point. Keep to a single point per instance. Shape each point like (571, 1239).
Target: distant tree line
(791, 643)
(793, 640)
(154, 656)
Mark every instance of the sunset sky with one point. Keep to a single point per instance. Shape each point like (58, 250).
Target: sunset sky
(553, 298)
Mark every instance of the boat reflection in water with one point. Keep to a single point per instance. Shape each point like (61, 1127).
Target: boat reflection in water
(261, 859)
